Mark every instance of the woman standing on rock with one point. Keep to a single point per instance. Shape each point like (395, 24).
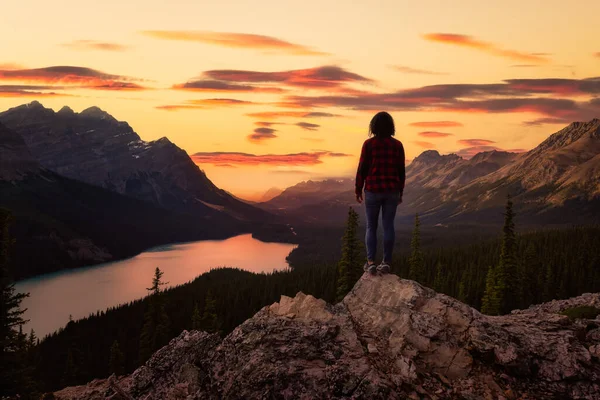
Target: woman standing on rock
(381, 172)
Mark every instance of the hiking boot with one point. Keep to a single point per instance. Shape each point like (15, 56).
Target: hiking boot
(384, 268)
(370, 268)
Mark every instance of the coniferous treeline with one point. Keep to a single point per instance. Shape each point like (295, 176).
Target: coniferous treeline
(548, 264)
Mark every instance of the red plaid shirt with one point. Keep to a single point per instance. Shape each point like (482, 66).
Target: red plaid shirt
(381, 166)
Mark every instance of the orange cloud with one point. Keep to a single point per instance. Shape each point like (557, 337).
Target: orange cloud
(308, 126)
(490, 48)
(261, 134)
(237, 40)
(179, 107)
(475, 142)
(434, 134)
(597, 54)
(291, 114)
(28, 91)
(425, 145)
(417, 71)
(95, 45)
(75, 77)
(267, 123)
(329, 76)
(312, 158)
(203, 104)
(436, 124)
(219, 86)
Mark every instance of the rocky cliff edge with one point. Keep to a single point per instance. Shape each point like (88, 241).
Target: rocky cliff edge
(390, 338)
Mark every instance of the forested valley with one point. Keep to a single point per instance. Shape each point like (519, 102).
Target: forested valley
(495, 273)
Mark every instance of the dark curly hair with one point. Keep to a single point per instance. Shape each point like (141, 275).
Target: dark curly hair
(382, 125)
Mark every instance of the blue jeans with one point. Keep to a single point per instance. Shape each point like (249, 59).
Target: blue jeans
(387, 203)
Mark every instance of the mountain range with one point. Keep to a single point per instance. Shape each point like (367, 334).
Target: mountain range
(83, 188)
(95, 148)
(557, 182)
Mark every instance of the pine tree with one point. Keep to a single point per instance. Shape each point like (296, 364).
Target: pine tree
(210, 321)
(156, 329)
(508, 276)
(438, 281)
(349, 269)
(490, 303)
(14, 373)
(196, 318)
(116, 363)
(416, 260)
(502, 291)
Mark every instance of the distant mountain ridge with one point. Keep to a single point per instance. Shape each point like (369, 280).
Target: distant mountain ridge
(93, 147)
(558, 181)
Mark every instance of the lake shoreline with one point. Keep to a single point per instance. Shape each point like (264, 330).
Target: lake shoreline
(79, 292)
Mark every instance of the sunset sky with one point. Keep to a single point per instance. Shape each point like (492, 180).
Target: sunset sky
(269, 93)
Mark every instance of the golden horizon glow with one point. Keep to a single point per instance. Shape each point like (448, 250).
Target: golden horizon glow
(286, 83)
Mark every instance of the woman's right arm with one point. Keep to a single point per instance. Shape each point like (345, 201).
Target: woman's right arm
(363, 169)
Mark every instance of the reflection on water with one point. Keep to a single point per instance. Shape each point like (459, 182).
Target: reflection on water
(82, 291)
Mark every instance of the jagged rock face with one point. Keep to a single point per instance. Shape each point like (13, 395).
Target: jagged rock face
(93, 147)
(16, 160)
(388, 339)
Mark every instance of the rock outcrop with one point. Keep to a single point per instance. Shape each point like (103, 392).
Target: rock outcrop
(389, 339)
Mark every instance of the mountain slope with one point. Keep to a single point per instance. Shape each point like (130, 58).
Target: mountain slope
(63, 223)
(307, 192)
(557, 182)
(95, 148)
(16, 160)
(566, 165)
(388, 339)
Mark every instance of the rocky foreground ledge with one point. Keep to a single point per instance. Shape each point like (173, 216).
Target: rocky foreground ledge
(389, 339)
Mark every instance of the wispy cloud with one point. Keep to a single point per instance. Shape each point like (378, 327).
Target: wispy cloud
(262, 134)
(29, 91)
(318, 78)
(308, 126)
(425, 145)
(73, 77)
(220, 86)
(510, 96)
(416, 71)
(204, 104)
(436, 124)
(434, 134)
(95, 45)
(291, 114)
(310, 158)
(475, 142)
(490, 48)
(237, 40)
